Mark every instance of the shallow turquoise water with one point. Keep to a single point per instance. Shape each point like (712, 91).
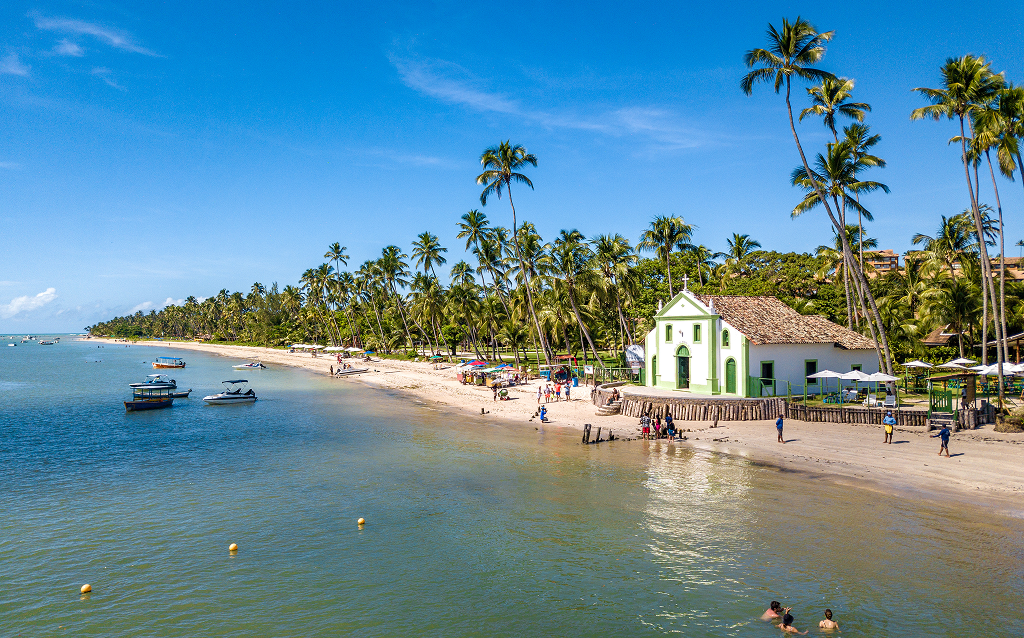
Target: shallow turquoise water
(475, 528)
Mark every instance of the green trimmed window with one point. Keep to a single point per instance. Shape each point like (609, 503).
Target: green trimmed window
(857, 366)
(725, 338)
(696, 333)
(811, 367)
(668, 333)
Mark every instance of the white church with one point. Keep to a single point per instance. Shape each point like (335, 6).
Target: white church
(747, 347)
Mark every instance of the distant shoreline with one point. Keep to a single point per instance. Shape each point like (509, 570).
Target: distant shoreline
(986, 470)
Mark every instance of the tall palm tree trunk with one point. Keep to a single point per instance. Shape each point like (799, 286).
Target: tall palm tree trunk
(999, 308)
(526, 278)
(583, 328)
(858, 274)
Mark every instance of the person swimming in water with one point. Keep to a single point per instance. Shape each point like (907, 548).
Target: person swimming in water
(787, 625)
(828, 623)
(774, 611)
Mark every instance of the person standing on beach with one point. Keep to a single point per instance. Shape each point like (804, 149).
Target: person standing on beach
(568, 388)
(889, 422)
(495, 388)
(828, 623)
(778, 426)
(540, 393)
(944, 438)
(645, 426)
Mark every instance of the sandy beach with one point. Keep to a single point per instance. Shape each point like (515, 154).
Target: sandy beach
(985, 466)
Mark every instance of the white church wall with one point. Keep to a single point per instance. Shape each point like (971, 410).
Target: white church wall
(790, 359)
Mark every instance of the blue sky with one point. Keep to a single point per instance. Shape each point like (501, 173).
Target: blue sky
(151, 151)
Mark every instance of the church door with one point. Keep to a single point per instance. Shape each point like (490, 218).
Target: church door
(730, 376)
(682, 368)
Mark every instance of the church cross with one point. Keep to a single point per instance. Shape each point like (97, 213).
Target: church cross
(686, 280)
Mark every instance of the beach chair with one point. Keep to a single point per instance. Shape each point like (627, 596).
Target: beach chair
(890, 401)
(871, 401)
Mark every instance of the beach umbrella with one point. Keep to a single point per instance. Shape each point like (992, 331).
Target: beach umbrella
(334, 349)
(953, 365)
(917, 364)
(962, 361)
(993, 370)
(854, 375)
(824, 374)
(882, 377)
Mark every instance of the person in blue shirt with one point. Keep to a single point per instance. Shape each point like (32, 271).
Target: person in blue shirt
(543, 414)
(944, 438)
(889, 422)
(778, 426)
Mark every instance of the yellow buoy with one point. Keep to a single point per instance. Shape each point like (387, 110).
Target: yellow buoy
(233, 547)
(86, 588)
(362, 521)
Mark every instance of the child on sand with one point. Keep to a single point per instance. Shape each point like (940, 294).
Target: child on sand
(778, 426)
(944, 438)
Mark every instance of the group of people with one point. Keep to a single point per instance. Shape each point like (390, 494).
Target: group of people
(656, 428)
(776, 612)
(548, 393)
(888, 425)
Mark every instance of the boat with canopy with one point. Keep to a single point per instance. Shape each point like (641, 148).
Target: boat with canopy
(235, 393)
(168, 362)
(150, 398)
(155, 381)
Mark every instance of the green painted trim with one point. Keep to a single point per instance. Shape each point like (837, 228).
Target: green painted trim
(682, 346)
(725, 336)
(661, 313)
(668, 333)
(807, 381)
(745, 357)
(713, 357)
(697, 332)
(735, 385)
(760, 368)
(856, 366)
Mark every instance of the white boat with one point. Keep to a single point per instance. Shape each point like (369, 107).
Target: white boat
(255, 364)
(11, 345)
(233, 394)
(347, 371)
(154, 381)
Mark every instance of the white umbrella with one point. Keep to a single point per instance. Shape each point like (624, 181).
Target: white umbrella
(917, 364)
(824, 374)
(333, 349)
(993, 370)
(854, 375)
(955, 366)
(962, 361)
(881, 377)
(979, 368)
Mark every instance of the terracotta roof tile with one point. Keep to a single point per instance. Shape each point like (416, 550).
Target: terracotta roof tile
(766, 320)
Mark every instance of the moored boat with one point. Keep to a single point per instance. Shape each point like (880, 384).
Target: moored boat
(344, 372)
(181, 395)
(149, 399)
(155, 381)
(233, 394)
(168, 362)
(255, 364)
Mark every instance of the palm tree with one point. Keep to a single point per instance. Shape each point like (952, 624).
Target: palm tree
(740, 247)
(704, 260)
(474, 228)
(427, 252)
(664, 234)
(830, 99)
(462, 273)
(952, 243)
(836, 175)
(1020, 244)
(614, 258)
(571, 261)
(791, 52)
(395, 270)
(501, 166)
(968, 85)
(860, 139)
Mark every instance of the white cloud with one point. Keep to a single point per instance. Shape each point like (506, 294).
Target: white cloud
(69, 48)
(145, 305)
(19, 305)
(10, 64)
(174, 302)
(113, 37)
(10, 165)
(104, 74)
(149, 305)
(450, 82)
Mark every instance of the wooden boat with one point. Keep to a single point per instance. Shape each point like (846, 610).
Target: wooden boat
(149, 399)
(181, 395)
(168, 362)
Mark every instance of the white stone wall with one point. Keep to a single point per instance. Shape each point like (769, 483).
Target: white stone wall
(790, 358)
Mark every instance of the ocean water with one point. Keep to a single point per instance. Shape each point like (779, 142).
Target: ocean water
(474, 527)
